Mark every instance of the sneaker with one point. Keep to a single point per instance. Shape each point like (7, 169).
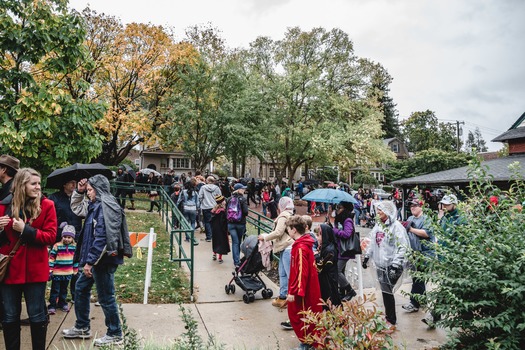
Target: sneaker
(97, 304)
(208, 239)
(410, 308)
(108, 340)
(51, 311)
(429, 321)
(220, 261)
(279, 302)
(286, 325)
(214, 257)
(74, 332)
(65, 308)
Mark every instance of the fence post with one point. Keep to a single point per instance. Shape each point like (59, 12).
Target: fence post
(147, 281)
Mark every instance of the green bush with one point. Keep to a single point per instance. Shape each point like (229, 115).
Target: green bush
(479, 270)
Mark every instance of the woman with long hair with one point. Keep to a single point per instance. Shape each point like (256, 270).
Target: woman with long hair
(28, 223)
(344, 228)
(189, 199)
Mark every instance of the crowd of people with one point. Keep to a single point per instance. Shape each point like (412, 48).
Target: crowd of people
(48, 242)
(78, 237)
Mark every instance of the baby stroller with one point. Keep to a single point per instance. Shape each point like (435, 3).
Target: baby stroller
(246, 275)
(369, 221)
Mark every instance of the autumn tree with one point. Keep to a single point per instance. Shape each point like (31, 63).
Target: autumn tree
(312, 86)
(132, 71)
(423, 131)
(475, 142)
(43, 123)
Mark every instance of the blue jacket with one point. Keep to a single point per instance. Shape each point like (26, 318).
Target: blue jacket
(93, 247)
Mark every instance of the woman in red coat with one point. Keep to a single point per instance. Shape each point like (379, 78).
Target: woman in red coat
(304, 292)
(26, 216)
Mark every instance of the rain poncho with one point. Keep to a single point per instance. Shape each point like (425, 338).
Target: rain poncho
(388, 246)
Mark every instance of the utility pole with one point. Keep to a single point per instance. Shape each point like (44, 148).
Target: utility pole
(458, 134)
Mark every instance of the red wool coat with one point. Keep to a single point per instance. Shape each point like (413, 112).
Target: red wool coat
(31, 261)
(303, 283)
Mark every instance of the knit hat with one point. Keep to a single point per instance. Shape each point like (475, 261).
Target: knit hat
(219, 199)
(68, 231)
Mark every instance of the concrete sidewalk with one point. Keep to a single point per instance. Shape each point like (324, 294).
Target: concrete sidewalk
(226, 316)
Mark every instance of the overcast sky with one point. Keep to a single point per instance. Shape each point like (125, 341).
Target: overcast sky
(462, 59)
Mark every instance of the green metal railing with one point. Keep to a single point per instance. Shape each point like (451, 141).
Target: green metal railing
(179, 227)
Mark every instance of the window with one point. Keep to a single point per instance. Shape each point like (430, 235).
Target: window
(395, 148)
(181, 163)
(137, 162)
(272, 172)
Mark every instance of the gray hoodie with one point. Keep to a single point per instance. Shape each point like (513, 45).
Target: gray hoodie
(207, 195)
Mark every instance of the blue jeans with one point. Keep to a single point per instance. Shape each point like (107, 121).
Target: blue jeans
(191, 217)
(357, 216)
(206, 218)
(104, 280)
(58, 292)
(35, 298)
(237, 232)
(284, 272)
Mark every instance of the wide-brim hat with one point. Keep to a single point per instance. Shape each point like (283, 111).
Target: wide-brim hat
(10, 161)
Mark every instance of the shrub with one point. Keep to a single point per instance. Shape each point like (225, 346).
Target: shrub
(479, 273)
(353, 325)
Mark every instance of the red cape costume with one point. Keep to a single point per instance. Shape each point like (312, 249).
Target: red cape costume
(303, 284)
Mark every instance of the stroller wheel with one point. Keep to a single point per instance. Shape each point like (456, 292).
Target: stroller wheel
(251, 297)
(232, 288)
(227, 289)
(246, 298)
(267, 293)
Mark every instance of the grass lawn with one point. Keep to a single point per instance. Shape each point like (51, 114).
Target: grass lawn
(169, 283)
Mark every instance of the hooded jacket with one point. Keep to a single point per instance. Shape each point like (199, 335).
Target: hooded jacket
(207, 195)
(388, 240)
(105, 236)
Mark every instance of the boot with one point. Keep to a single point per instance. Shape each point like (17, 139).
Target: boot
(349, 293)
(12, 335)
(38, 335)
(150, 207)
(342, 293)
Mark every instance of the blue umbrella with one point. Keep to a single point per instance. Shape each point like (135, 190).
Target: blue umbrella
(329, 195)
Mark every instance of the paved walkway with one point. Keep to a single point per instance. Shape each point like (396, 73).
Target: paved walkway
(227, 317)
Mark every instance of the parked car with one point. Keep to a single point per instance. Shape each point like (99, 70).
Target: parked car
(382, 194)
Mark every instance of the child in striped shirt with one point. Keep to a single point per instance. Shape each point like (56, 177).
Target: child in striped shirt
(61, 269)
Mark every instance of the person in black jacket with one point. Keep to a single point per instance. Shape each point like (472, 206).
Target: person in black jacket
(326, 261)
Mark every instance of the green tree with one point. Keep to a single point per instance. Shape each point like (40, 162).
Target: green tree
(43, 124)
(205, 110)
(378, 94)
(475, 142)
(312, 85)
(423, 131)
(426, 162)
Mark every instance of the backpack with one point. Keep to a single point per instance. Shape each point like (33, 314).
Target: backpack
(234, 212)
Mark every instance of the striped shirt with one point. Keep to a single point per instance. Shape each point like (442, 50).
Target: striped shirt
(61, 260)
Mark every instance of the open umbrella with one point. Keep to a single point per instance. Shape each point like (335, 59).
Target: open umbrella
(329, 195)
(147, 171)
(77, 171)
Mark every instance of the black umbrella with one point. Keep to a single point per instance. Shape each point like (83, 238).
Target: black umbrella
(77, 171)
(130, 171)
